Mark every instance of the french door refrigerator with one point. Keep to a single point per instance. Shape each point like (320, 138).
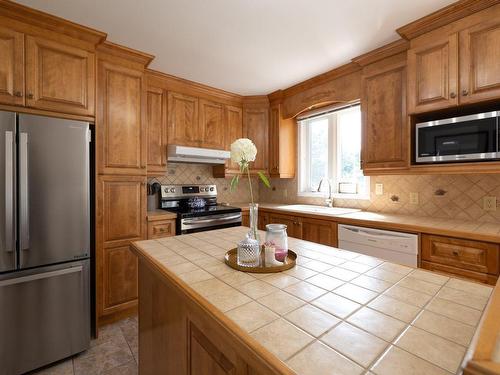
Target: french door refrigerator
(44, 240)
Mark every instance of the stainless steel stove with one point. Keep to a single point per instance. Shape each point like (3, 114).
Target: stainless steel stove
(197, 208)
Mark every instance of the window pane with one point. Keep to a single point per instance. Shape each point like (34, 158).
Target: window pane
(349, 146)
(318, 146)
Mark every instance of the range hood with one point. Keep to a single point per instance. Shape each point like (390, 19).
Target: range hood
(184, 154)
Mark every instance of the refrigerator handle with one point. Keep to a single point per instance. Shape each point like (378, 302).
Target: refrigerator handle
(24, 204)
(9, 190)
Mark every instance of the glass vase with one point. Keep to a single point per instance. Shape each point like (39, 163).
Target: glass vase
(277, 237)
(254, 220)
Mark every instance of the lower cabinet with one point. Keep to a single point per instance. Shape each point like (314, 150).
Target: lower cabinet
(245, 218)
(161, 228)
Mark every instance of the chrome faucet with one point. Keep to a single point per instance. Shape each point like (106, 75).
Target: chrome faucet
(329, 200)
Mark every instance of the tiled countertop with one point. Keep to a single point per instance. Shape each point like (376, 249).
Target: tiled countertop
(336, 311)
(448, 227)
(156, 215)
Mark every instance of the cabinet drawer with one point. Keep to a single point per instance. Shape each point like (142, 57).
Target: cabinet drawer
(460, 272)
(470, 255)
(159, 229)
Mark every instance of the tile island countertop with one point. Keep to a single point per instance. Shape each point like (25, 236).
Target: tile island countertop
(335, 312)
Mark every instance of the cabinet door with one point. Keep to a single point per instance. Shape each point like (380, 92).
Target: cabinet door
(122, 143)
(255, 127)
(263, 220)
(59, 77)
(234, 130)
(291, 222)
(274, 136)
(156, 130)
(319, 231)
(433, 75)
(385, 124)
(183, 127)
(11, 67)
(480, 62)
(211, 122)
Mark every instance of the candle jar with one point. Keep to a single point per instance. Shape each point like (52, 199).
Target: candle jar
(276, 235)
(248, 253)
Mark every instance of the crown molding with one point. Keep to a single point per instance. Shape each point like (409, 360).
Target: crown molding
(127, 53)
(391, 49)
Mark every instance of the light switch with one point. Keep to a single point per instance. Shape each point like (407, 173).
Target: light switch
(490, 203)
(379, 189)
(413, 198)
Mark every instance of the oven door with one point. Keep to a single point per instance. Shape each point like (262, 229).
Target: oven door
(200, 224)
(464, 138)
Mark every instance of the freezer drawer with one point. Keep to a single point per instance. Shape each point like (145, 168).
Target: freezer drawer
(44, 316)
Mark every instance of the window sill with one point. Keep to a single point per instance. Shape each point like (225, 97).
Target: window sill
(334, 196)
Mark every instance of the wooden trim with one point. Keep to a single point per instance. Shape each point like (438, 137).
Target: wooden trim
(126, 53)
(383, 52)
(47, 21)
(34, 111)
(444, 16)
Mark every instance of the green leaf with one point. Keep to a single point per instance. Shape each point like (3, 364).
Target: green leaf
(234, 182)
(264, 179)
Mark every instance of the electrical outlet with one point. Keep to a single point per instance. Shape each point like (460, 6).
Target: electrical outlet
(379, 189)
(285, 193)
(490, 203)
(413, 198)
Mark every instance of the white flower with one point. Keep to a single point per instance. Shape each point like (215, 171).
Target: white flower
(243, 151)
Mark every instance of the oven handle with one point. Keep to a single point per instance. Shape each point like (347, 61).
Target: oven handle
(199, 221)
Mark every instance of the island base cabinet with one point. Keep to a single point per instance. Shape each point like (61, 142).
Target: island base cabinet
(180, 334)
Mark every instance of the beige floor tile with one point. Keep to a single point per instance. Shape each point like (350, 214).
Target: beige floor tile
(319, 359)
(341, 273)
(371, 283)
(281, 302)
(102, 358)
(389, 276)
(435, 349)
(336, 305)
(408, 295)
(398, 362)
(301, 272)
(282, 338)
(419, 285)
(355, 343)
(395, 308)
(256, 289)
(356, 267)
(470, 287)
(227, 299)
(312, 320)
(280, 280)
(252, 316)
(325, 282)
(377, 323)
(461, 297)
(455, 311)
(430, 277)
(445, 327)
(317, 266)
(355, 293)
(305, 291)
(60, 368)
(126, 369)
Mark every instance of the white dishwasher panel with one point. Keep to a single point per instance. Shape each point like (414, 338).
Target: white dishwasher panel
(392, 246)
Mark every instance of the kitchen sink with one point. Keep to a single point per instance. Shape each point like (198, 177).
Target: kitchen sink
(319, 209)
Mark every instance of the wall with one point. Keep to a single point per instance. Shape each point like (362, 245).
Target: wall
(179, 173)
(463, 197)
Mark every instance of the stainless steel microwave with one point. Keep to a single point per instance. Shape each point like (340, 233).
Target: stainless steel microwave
(466, 138)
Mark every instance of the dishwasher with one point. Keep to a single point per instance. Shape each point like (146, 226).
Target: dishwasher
(397, 247)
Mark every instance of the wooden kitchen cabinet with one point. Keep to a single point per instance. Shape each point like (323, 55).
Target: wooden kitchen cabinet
(156, 103)
(293, 225)
(234, 131)
(256, 128)
(120, 125)
(183, 126)
(11, 67)
(433, 74)
(472, 259)
(161, 228)
(282, 144)
(263, 220)
(319, 231)
(385, 127)
(212, 125)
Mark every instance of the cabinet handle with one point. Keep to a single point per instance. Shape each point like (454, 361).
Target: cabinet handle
(455, 252)
(453, 95)
(19, 94)
(465, 92)
(30, 96)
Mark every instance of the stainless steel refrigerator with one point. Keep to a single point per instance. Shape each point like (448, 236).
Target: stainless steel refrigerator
(44, 240)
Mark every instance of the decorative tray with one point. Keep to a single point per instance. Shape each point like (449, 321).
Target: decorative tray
(231, 260)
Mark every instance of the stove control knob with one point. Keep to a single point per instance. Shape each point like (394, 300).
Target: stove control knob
(172, 190)
(211, 189)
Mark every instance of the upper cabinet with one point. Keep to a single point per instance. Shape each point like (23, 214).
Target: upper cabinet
(282, 143)
(59, 77)
(156, 113)
(256, 128)
(385, 135)
(11, 67)
(234, 130)
(183, 127)
(211, 124)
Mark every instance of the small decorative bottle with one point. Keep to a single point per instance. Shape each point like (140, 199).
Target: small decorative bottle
(276, 234)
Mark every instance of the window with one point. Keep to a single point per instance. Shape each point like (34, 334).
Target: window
(330, 147)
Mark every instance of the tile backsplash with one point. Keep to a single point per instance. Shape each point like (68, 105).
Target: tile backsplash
(180, 173)
(442, 196)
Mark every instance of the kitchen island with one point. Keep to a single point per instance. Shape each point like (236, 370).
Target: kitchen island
(336, 312)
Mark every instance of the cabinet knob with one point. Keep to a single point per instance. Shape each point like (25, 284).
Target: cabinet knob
(453, 95)
(455, 252)
(19, 94)
(465, 92)
(30, 96)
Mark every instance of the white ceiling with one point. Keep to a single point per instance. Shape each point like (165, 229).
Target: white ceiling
(248, 47)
